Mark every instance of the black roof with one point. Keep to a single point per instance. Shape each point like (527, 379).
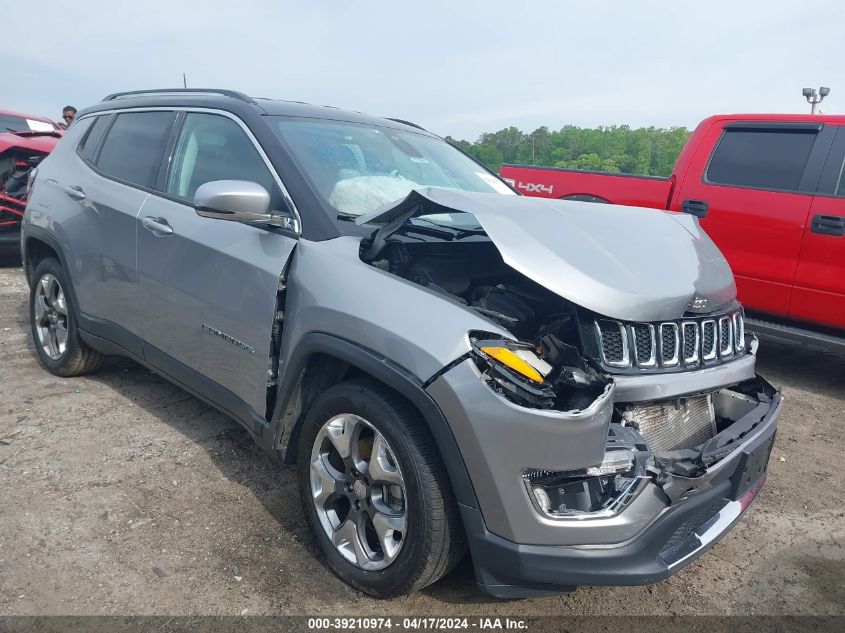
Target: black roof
(237, 103)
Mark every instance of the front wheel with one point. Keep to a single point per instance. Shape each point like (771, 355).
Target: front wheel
(375, 491)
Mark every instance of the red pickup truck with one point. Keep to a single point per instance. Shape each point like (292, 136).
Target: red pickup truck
(769, 189)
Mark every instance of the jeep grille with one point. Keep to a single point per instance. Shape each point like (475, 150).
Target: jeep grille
(683, 344)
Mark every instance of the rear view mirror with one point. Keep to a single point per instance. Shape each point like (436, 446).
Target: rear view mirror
(237, 201)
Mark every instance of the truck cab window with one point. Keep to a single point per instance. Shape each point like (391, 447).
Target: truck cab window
(763, 159)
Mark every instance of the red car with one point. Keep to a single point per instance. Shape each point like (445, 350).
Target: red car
(769, 189)
(24, 141)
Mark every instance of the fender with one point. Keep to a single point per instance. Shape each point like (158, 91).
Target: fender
(382, 369)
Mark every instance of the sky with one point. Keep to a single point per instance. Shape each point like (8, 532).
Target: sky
(457, 68)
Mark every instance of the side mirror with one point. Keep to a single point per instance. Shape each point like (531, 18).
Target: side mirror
(238, 201)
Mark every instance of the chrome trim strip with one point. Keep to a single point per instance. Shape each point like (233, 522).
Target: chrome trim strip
(279, 182)
(616, 505)
(712, 529)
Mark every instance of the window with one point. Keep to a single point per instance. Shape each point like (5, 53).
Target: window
(765, 159)
(213, 147)
(357, 168)
(12, 123)
(134, 146)
(92, 139)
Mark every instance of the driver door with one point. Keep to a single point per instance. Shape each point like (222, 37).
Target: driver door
(208, 288)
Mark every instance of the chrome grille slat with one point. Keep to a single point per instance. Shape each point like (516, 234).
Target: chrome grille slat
(709, 340)
(691, 334)
(739, 331)
(684, 343)
(726, 342)
(613, 336)
(645, 345)
(669, 344)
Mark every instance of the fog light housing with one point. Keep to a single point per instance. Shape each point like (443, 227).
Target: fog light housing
(594, 492)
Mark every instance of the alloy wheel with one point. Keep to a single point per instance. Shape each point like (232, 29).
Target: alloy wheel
(358, 492)
(51, 318)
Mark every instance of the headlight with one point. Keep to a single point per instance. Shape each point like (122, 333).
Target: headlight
(514, 370)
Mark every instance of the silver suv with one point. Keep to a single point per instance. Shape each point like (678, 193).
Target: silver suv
(566, 389)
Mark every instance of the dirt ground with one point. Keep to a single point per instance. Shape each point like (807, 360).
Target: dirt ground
(121, 494)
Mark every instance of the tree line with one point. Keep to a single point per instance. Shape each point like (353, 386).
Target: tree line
(614, 148)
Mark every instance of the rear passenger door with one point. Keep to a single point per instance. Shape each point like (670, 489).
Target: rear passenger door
(754, 200)
(819, 292)
(208, 288)
(121, 154)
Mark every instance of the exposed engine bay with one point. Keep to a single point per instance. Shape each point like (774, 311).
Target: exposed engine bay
(545, 325)
(669, 442)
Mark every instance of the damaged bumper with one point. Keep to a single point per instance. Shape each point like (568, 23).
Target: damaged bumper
(678, 504)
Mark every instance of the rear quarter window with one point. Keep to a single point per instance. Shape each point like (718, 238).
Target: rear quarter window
(761, 159)
(134, 146)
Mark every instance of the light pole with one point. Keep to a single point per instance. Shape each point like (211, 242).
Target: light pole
(814, 98)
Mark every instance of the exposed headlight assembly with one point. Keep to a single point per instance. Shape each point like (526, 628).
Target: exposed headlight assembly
(514, 370)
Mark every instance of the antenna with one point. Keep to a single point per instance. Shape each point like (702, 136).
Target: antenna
(184, 81)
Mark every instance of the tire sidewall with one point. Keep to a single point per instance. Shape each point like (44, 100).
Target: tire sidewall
(409, 564)
(52, 267)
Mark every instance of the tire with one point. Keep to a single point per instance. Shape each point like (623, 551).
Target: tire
(52, 318)
(431, 538)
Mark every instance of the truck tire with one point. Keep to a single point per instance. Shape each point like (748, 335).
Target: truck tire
(375, 491)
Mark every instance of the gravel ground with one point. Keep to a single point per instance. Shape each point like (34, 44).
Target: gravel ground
(121, 494)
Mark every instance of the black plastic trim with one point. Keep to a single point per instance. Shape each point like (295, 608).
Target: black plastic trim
(790, 126)
(832, 172)
(509, 570)
(393, 376)
(11, 237)
(109, 338)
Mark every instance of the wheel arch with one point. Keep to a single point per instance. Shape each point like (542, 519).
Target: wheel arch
(321, 360)
(39, 244)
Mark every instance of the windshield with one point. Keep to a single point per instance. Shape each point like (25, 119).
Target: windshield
(10, 122)
(359, 168)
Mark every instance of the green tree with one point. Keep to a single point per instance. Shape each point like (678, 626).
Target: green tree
(614, 148)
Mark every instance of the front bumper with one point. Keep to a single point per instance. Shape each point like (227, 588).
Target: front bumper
(517, 552)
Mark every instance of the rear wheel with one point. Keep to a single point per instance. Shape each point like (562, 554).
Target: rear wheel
(375, 491)
(54, 328)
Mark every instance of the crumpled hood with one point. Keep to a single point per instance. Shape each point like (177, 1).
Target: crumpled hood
(628, 263)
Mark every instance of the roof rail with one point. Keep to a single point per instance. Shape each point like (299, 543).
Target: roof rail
(403, 122)
(182, 91)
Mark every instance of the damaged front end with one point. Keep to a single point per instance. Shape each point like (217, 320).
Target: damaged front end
(624, 405)
(20, 154)
(675, 444)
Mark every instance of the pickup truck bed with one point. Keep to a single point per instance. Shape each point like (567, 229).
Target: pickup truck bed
(574, 184)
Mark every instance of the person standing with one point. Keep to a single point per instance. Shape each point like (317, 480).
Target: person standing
(68, 114)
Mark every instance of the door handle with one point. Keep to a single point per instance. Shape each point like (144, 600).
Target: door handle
(828, 225)
(158, 226)
(698, 208)
(74, 192)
